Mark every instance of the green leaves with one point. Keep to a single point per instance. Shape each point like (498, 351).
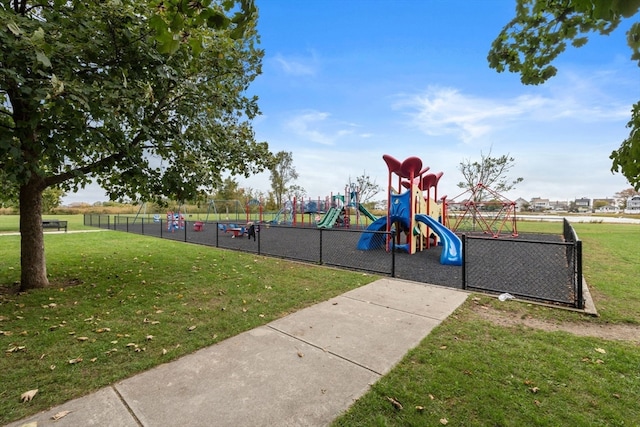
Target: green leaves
(625, 158)
(539, 33)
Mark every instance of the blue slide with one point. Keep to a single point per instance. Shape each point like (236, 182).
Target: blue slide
(451, 243)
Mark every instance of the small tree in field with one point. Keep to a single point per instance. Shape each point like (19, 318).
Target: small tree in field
(490, 172)
(283, 173)
(145, 97)
(367, 188)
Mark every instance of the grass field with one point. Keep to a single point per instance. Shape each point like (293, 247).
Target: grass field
(122, 303)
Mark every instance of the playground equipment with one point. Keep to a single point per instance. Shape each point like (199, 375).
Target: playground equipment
(286, 215)
(226, 208)
(413, 214)
(336, 215)
(252, 205)
(175, 221)
(482, 210)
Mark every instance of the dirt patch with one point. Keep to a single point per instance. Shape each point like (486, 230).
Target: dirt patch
(622, 332)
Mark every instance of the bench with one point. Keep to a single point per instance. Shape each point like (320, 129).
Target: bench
(54, 223)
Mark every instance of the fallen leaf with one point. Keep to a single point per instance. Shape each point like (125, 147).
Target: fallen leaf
(94, 359)
(443, 347)
(82, 338)
(60, 414)
(534, 389)
(616, 395)
(444, 421)
(101, 330)
(395, 403)
(431, 396)
(419, 408)
(149, 337)
(76, 360)
(164, 351)
(536, 402)
(300, 354)
(601, 350)
(27, 396)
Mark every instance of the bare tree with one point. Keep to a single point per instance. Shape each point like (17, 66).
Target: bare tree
(489, 172)
(367, 188)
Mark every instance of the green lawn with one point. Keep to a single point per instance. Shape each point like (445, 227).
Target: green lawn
(472, 372)
(122, 303)
(11, 223)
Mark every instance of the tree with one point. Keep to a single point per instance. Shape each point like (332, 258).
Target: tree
(296, 192)
(367, 188)
(145, 97)
(491, 172)
(282, 174)
(541, 30)
(624, 195)
(229, 195)
(51, 199)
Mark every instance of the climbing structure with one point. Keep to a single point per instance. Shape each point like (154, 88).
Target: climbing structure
(482, 210)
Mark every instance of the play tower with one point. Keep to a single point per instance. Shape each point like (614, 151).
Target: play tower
(413, 215)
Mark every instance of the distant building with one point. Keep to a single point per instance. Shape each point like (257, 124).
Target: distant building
(539, 204)
(559, 205)
(633, 205)
(605, 206)
(521, 204)
(583, 204)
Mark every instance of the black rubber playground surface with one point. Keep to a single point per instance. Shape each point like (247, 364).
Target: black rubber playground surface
(532, 266)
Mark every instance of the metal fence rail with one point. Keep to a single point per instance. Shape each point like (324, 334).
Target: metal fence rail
(547, 270)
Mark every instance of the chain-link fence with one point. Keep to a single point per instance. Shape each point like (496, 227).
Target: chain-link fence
(545, 268)
(326, 246)
(542, 270)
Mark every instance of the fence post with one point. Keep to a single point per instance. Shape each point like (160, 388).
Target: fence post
(578, 261)
(217, 234)
(393, 254)
(464, 262)
(186, 225)
(258, 229)
(320, 262)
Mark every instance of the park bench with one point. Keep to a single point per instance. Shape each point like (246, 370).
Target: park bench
(54, 223)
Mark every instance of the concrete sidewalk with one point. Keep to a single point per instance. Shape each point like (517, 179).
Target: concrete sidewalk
(302, 370)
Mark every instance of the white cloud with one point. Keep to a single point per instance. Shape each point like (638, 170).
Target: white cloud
(446, 111)
(298, 66)
(318, 127)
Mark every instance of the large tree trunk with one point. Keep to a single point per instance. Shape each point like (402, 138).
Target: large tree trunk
(32, 262)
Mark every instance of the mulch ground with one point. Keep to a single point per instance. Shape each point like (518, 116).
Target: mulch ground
(489, 263)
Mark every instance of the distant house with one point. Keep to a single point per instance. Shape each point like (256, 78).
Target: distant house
(605, 206)
(583, 204)
(633, 205)
(521, 204)
(559, 205)
(539, 204)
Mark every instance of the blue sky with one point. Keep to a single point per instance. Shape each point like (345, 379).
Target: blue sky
(345, 82)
